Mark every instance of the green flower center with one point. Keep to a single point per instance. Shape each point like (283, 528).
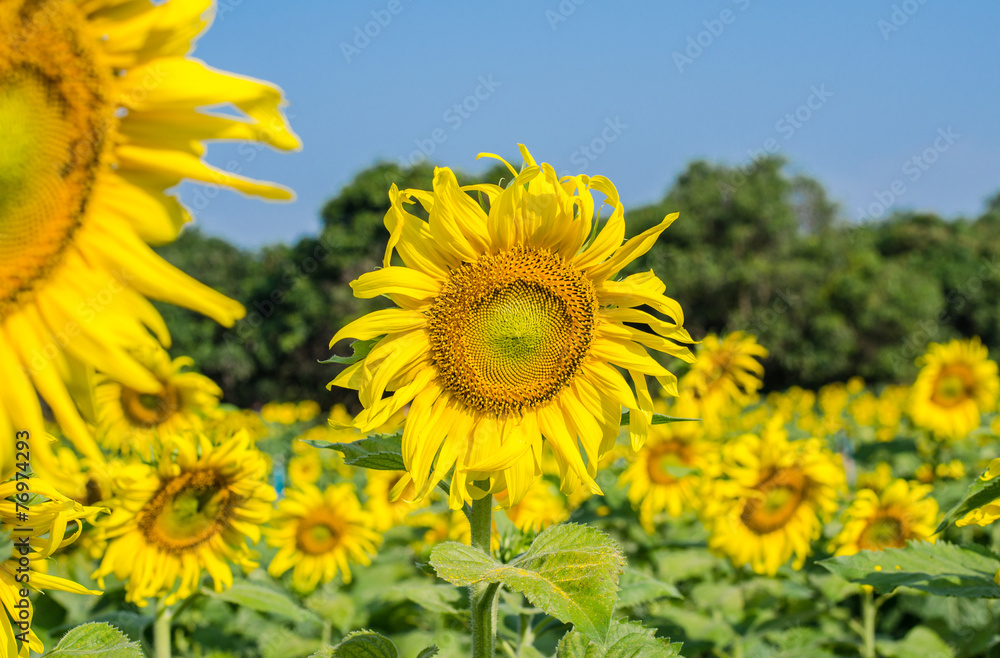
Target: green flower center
(779, 497)
(509, 330)
(318, 533)
(954, 384)
(186, 511)
(883, 532)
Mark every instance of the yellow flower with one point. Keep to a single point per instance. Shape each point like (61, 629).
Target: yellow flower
(36, 538)
(319, 533)
(305, 468)
(283, 413)
(307, 410)
(876, 480)
(541, 507)
(668, 471)
(956, 384)
(774, 501)
(726, 374)
(192, 513)
(876, 521)
(509, 326)
(389, 497)
(229, 421)
(129, 420)
(101, 112)
(988, 513)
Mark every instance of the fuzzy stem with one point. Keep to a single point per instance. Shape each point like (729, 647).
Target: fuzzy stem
(483, 596)
(161, 630)
(868, 611)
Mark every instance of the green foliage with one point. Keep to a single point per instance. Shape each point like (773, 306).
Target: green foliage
(377, 452)
(943, 569)
(570, 571)
(625, 640)
(101, 640)
(981, 492)
(262, 599)
(658, 419)
(361, 644)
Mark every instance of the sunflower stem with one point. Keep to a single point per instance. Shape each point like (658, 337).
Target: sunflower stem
(483, 596)
(161, 630)
(868, 611)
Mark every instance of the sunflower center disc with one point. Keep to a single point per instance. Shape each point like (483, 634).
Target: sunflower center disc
(53, 124)
(671, 453)
(150, 409)
(883, 532)
(186, 511)
(781, 493)
(509, 330)
(318, 533)
(954, 384)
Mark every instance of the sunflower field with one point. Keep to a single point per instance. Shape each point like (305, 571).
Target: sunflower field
(532, 429)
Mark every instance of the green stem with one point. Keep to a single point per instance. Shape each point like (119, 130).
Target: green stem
(161, 630)
(483, 596)
(868, 610)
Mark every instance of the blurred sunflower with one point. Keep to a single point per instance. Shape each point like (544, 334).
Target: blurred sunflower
(510, 327)
(318, 533)
(541, 507)
(100, 114)
(193, 512)
(389, 496)
(50, 514)
(876, 521)
(128, 420)
(774, 501)
(667, 472)
(726, 374)
(956, 384)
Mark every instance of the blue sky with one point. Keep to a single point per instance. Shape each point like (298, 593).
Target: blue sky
(850, 92)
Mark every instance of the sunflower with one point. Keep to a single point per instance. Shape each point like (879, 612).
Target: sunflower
(726, 374)
(774, 500)
(100, 113)
(876, 521)
(193, 512)
(389, 497)
(509, 327)
(667, 473)
(129, 419)
(956, 384)
(36, 538)
(541, 507)
(317, 533)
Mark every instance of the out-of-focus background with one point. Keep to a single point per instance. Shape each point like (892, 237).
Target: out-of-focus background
(834, 165)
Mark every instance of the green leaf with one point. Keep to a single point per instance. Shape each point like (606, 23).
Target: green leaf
(638, 588)
(942, 568)
(980, 493)
(435, 598)
(570, 571)
(359, 349)
(361, 644)
(429, 652)
(262, 599)
(378, 452)
(626, 639)
(658, 419)
(101, 640)
(921, 642)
